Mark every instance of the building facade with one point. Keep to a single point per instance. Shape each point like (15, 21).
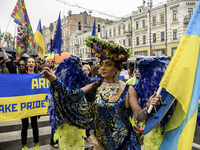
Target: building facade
(149, 31)
(73, 23)
(154, 31)
(157, 31)
(118, 31)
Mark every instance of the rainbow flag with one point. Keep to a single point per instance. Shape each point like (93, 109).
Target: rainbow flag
(24, 32)
(182, 81)
(38, 38)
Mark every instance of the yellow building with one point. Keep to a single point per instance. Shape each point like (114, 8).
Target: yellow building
(149, 31)
(158, 30)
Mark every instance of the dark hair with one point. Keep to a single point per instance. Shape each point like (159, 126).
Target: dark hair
(35, 69)
(90, 95)
(95, 71)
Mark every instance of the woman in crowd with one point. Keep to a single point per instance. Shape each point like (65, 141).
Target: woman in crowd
(30, 64)
(95, 71)
(87, 70)
(106, 105)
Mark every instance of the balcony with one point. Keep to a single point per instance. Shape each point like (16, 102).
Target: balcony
(186, 19)
(141, 29)
(127, 33)
(76, 45)
(104, 37)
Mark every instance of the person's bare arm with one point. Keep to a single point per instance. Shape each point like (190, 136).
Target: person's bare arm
(88, 87)
(139, 113)
(5, 57)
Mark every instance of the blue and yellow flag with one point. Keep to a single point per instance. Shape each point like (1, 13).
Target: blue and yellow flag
(57, 41)
(182, 81)
(38, 38)
(22, 96)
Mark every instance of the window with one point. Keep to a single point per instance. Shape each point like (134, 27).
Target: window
(160, 52)
(162, 19)
(141, 53)
(137, 41)
(175, 34)
(190, 12)
(137, 25)
(144, 39)
(129, 28)
(129, 42)
(154, 37)
(162, 36)
(124, 42)
(114, 32)
(173, 51)
(143, 23)
(110, 33)
(106, 34)
(124, 29)
(154, 21)
(119, 30)
(175, 15)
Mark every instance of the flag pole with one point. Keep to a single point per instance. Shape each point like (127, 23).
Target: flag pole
(5, 31)
(151, 106)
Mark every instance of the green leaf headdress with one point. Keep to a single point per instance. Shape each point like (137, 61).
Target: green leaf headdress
(107, 49)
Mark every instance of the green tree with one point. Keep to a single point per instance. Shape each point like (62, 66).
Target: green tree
(69, 12)
(8, 39)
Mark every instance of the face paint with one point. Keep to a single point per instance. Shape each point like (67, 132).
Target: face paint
(107, 65)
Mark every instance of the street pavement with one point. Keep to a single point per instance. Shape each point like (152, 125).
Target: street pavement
(10, 136)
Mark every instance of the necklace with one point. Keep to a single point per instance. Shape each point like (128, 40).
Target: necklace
(107, 90)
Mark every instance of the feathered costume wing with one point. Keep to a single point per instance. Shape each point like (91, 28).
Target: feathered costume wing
(152, 70)
(70, 72)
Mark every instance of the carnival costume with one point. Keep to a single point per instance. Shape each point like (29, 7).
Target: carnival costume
(72, 112)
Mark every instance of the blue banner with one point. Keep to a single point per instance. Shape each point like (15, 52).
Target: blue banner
(22, 96)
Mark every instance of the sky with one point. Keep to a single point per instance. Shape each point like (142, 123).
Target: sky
(48, 10)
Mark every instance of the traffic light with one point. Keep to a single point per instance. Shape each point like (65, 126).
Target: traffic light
(79, 25)
(99, 28)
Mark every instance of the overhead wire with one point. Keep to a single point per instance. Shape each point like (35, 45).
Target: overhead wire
(116, 17)
(92, 10)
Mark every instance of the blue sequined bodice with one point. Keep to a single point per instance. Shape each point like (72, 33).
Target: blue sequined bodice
(112, 123)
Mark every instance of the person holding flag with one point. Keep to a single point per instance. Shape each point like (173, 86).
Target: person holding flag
(105, 104)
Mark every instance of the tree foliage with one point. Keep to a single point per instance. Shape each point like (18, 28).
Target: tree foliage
(8, 39)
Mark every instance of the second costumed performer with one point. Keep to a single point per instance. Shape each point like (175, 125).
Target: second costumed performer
(104, 106)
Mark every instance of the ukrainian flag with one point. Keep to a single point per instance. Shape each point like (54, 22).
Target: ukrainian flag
(182, 81)
(39, 40)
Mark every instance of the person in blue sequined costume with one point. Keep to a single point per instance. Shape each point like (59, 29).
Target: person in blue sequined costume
(103, 106)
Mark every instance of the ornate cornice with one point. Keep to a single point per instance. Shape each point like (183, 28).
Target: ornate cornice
(174, 6)
(190, 3)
